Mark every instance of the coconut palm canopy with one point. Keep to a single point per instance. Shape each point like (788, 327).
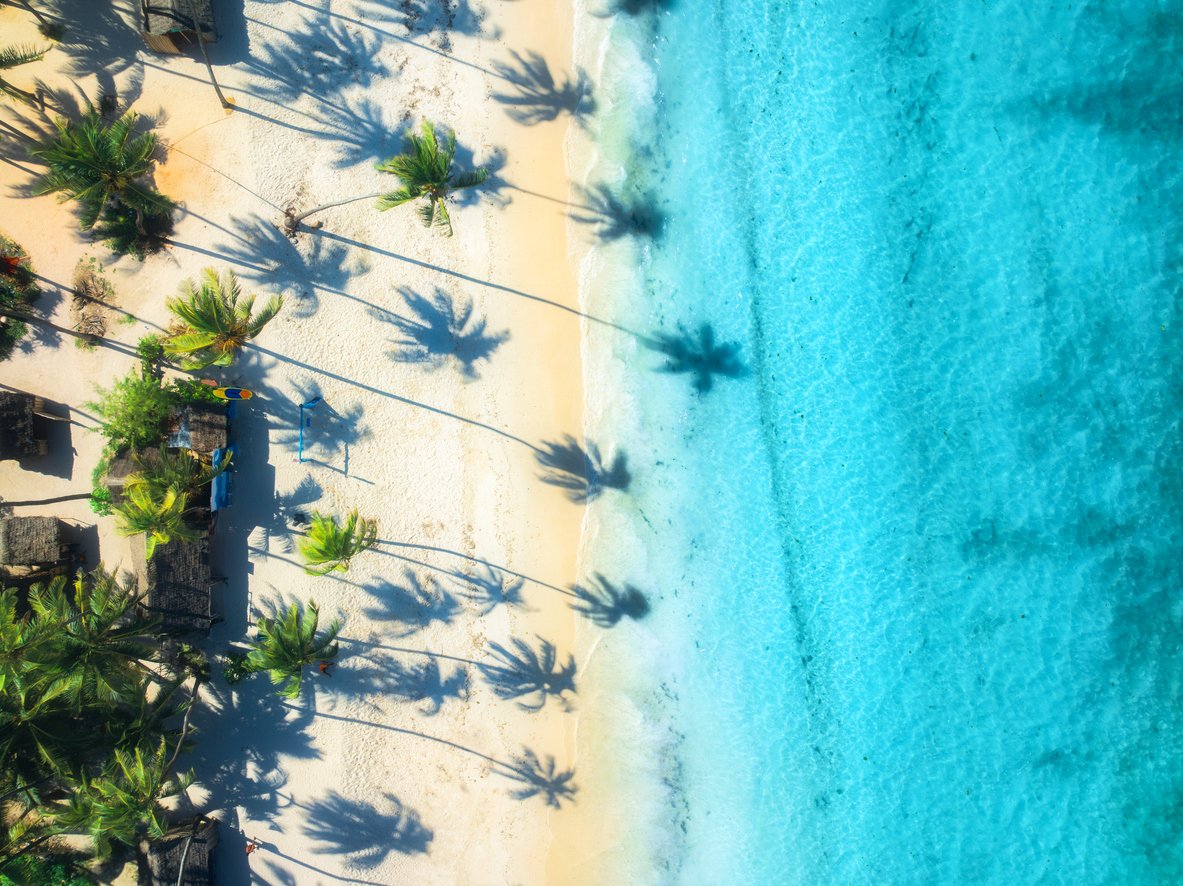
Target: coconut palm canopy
(426, 172)
(330, 546)
(215, 320)
(102, 165)
(289, 642)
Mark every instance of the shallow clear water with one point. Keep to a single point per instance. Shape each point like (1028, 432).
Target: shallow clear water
(917, 606)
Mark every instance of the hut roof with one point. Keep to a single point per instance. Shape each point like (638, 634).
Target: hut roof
(164, 856)
(179, 582)
(200, 427)
(16, 425)
(25, 541)
(124, 465)
(170, 16)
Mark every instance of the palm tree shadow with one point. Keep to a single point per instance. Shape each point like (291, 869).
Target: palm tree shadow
(261, 249)
(415, 603)
(494, 187)
(540, 778)
(425, 682)
(291, 510)
(366, 832)
(605, 604)
(101, 44)
(529, 676)
(583, 473)
(699, 356)
(362, 130)
(612, 216)
(429, 17)
(490, 588)
(257, 731)
(638, 7)
(326, 57)
(442, 330)
(537, 96)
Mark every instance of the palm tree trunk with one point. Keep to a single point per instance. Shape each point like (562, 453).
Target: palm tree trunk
(184, 735)
(205, 56)
(140, 229)
(78, 496)
(291, 221)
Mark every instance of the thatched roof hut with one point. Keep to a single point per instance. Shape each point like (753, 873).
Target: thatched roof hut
(125, 464)
(179, 582)
(200, 427)
(17, 436)
(30, 541)
(164, 855)
(167, 25)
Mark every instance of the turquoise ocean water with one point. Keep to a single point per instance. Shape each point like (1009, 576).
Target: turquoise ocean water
(917, 615)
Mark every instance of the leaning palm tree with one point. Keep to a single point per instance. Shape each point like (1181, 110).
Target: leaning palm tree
(426, 173)
(158, 514)
(12, 57)
(216, 320)
(103, 165)
(330, 546)
(527, 671)
(289, 642)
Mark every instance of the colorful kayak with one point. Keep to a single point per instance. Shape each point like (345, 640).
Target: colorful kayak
(233, 393)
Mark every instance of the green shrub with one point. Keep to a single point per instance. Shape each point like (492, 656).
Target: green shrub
(18, 288)
(100, 501)
(186, 390)
(134, 410)
(29, 869)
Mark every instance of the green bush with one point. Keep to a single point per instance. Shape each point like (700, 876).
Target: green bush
(28, 869)
(134, 410)
(18, 288)
(186, 390)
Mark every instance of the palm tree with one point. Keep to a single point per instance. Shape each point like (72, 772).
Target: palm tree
(159, 514)
(289, 642)
(14, 56)
(183, 470)
(94, 646)
(216, 320)
(330, 546)
(123, 803)
(529, 671)
(102, 165)
(426, 172)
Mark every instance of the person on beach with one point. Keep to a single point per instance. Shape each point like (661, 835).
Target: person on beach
(324, 667)
(252, 845)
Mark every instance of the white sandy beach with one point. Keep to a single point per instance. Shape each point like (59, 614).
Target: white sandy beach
(339, 787)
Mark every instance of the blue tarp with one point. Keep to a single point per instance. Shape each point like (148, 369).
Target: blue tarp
(220, 488)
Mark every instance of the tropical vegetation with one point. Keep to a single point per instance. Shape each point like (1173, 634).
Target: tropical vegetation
(18, 289)
(288, 643)
(85, 699)
(134, 410)
(215, 320)
(330, 546)
(161, 515)
(105, 166)
(426, 173)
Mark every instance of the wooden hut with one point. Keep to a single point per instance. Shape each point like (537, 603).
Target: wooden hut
(165, 854)
(31, 542)
(125, 464)
(179, 581)
(167, 25)
(18, 436)
(200, 427)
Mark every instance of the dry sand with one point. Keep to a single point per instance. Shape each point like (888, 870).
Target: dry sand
(342, 785)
